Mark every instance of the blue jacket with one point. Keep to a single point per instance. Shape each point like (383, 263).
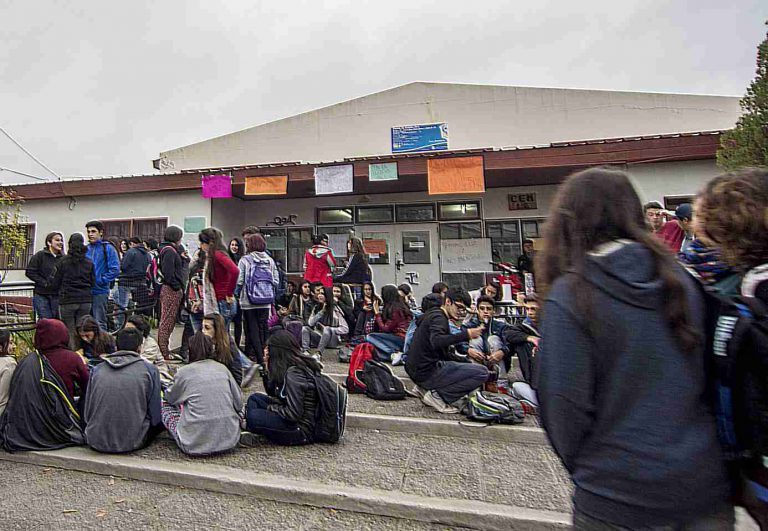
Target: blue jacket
(106, 265)
(623, 405)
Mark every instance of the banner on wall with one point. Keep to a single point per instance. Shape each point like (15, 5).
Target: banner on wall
(271, 185)
(194, 224)
(382, 172)
(423, 137)
(217, 186)
(334, 180)
(456, 175)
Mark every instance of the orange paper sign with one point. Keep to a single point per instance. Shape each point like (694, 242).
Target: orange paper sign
(273, 185)
(456, 175)
(375, 246)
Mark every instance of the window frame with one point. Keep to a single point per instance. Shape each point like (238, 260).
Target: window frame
(441, 217)
(417, 204)
(319, 223)
(390, 207)
(21, 262)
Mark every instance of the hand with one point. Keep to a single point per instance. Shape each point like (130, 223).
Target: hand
(230, 299)
(476, 355)
(474, 333)
(496, 357)
(534, 340)
(376, 307)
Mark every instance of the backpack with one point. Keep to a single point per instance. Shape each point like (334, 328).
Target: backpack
(331, 415)
(738, 350)
(493, 408)
(362, 353)
(154, 273)
(258, 282)
(293, 325)
(381, 383)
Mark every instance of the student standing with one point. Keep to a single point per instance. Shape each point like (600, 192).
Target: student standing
(106, 267)
(357, 270)
(40, 270)
(172, 268)
(236, 252)
(74, 280)
(319, 261)
(220, 276)
(132, 282)
(621, 369)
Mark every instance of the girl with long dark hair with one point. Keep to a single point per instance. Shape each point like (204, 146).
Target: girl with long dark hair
(392, 320)
(73, 280)
(365, 318)
(225, 350)
(7, 367)
(220, 276)
(302, 304)
(325, 325)
(236, 252)
(286, 414)
(91, 341)
(357, 270)
(621, 368)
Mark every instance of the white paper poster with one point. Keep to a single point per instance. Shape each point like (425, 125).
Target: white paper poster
(338, 244)
(333, 180)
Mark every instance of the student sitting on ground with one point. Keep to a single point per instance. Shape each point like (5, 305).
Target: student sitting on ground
(303, 302)
(489, 349)
(342, 297)
(324, 326)
(224, 345)
(122, 407)
(91, 342)
(439, 380)
(406, 293)
(150, 350)
(7, 366)
(392, 322)
(52, 341)
(523, 339)
(287, 413)
(201, 409)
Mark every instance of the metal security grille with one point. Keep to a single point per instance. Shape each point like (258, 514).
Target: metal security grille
(11, 262)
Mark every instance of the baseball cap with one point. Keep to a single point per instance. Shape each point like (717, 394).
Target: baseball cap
(684, 211)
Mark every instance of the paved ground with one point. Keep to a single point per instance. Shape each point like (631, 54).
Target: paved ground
(37, 498)
(516, 474)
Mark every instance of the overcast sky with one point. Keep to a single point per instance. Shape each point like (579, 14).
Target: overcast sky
(98, 88)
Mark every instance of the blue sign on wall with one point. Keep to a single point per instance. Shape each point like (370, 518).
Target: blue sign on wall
(425, 137)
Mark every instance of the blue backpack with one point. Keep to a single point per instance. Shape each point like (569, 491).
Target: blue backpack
(258, 282)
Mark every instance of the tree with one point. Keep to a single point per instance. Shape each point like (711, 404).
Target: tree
(747, 143)
(13, 231)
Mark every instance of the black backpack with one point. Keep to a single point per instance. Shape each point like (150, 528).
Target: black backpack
(331, 415)
(381, 383)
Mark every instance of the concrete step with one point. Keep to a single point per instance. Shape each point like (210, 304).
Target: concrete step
(451, 481)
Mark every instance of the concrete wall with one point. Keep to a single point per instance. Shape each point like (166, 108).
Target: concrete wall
(55, 214)
(477, 116)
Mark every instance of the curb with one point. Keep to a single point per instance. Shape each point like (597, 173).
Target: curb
(447, 428)
(450, 512)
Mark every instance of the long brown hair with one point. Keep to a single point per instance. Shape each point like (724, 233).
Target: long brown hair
(222, 353)
(213, 237)
(593, 207)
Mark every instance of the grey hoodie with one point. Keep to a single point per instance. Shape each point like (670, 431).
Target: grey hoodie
(625, 408)
(122, 405)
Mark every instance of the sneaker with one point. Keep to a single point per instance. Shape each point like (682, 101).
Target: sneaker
(250, 374)
(397, 358)
(433, 400)
(416, 391)
(528, 407)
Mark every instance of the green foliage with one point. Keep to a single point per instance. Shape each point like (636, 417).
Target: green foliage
(747, 144)
(24, 343)
(13, 232)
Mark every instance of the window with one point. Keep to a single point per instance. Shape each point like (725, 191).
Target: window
(299, 240)
(337, 240)
(671, 202)
(276, 244)
(532, 228)
(420, 212)
(334, 216)
(460, 231)
(141, 228)
(375, 214)
(505, 240)
(416, 247)
(7, 258)
(468, 281)
(463, 210)
(377, 247)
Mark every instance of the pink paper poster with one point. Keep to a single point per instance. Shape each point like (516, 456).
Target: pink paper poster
(217, 186)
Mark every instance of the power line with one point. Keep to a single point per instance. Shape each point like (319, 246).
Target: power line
(24, 174)
(6, 133)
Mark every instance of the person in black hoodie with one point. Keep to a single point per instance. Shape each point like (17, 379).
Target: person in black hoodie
(439, 379)
(132, 282)
(172, 268)
(40, 270)
(621, 371)
(73, 280)
(357, 270)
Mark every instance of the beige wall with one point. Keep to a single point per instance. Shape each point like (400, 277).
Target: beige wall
(477, 116)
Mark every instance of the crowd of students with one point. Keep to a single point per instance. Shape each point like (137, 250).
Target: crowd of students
(617, 360)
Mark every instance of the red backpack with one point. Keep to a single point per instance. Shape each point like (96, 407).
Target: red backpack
(362, 353)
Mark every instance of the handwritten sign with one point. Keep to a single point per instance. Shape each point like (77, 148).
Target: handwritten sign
(382, 172)
(217, 186)
(377, 247)
(465, 255)
(526, 201)
(273, 185)
(333, 180)
(455, 175)
(338, 244)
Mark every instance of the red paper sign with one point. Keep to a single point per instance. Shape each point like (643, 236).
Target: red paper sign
(217, 186)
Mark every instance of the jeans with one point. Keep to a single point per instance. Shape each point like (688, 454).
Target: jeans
(256, 332)
(227, 311)
(410, 332)
(453, 380)
(720, 520)
(522, 390)
(385, 344)
(311, 338)
(270, 424)
(46, 306)
(70, 315)
(130, 290)
(99, 309)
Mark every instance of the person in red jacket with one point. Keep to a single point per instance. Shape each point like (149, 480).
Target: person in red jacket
(220, 276)
(677, 234)
(392, 322)
(52, 341)
(319, 261)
